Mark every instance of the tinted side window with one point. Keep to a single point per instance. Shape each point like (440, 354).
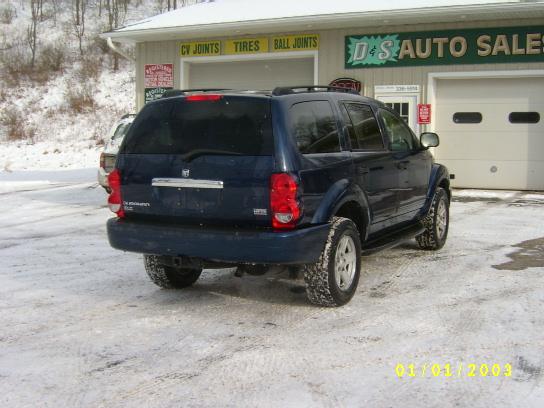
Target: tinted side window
(365, 127)
(314, 127)
(400, 136)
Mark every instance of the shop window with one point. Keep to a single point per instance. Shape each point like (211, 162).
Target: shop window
(467, 117)
(524, 117)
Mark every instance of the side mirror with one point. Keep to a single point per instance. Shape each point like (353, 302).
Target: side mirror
(429, 139)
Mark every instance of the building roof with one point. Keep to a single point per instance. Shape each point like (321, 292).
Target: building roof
(242, 17)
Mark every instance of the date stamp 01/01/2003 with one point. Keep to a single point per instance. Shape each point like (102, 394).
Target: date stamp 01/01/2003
(458, 370)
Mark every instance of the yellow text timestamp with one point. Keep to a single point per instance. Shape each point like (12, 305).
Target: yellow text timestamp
(457, 370)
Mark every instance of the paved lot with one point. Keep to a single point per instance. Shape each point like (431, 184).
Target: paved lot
(80, 324)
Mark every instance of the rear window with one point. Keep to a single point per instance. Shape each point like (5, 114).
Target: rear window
(228, 126)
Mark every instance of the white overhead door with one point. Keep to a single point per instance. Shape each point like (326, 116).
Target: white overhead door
(492, 132)
(252, 74)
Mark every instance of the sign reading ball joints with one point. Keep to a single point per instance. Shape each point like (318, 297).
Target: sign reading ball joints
(474, 46)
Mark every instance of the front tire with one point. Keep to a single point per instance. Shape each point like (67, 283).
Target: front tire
(169, 277)
(436, 222)
(332, 281)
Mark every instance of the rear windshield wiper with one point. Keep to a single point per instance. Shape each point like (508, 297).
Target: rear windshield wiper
(206, 152)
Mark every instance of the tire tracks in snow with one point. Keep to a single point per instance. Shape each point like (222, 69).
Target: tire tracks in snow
(249, 356)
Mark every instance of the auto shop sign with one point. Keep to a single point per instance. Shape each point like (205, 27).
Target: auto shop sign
(158, 78)
(471, 46)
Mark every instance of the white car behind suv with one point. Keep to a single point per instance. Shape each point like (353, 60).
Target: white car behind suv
(109, 155)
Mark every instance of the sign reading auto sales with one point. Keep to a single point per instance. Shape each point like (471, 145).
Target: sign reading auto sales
(471, 46)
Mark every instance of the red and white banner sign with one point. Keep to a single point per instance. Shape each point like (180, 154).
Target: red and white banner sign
(159, 76)
(423, 114)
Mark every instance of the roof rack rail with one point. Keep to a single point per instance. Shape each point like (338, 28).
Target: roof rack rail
(178, 92)
(288, 90)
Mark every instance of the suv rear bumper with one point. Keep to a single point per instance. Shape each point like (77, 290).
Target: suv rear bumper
(222, 245)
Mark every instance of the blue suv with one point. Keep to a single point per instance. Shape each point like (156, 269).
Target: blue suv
(308, 177)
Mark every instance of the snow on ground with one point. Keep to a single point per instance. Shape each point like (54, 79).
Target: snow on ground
(83, 326)
(32, 180)
(65, 140)
(499, 194)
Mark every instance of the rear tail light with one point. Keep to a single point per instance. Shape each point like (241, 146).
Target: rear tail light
(283, 201)
(102, 161)
(115, 202)
(203, 97)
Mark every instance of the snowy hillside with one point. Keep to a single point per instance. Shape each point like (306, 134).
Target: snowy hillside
(56, 112)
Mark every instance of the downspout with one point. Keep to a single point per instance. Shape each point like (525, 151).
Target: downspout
(118, 51)
(122, 54)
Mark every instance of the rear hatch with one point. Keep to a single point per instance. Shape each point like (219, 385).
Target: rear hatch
(201, 159)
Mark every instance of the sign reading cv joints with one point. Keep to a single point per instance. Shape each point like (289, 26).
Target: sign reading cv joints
(474, 46)
(300, 42)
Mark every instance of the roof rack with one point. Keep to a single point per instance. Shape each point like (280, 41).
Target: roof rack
(178, 92)
(288, 90)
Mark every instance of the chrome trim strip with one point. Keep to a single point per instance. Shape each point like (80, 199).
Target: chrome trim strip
(186, 183)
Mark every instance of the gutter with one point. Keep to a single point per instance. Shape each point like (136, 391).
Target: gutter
(118, 51)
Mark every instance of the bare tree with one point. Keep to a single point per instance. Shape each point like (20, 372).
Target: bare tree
(56, 6)
(32, 30)
(40, 4)
(116, 10)
(79, 7)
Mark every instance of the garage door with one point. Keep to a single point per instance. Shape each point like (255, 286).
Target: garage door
(260, 74)
(492, 132)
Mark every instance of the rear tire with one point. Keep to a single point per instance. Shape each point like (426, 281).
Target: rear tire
(333, 279)
(436, 222)
(169, 277)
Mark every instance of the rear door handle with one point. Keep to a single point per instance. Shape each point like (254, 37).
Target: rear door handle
(362, 170)
(403, 165)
